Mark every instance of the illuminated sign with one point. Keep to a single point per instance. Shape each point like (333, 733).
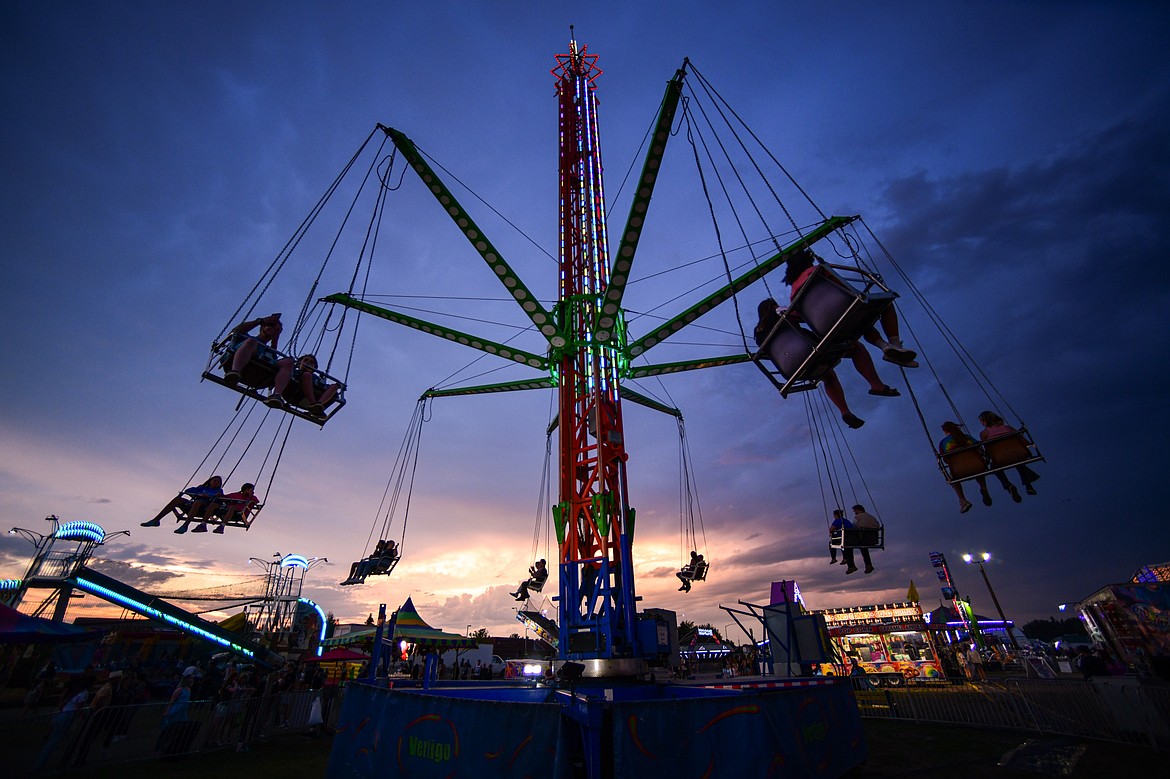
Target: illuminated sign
(80, 531)
(10, 584)
(891, 614)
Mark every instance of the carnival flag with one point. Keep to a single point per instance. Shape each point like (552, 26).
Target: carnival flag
(912, 593)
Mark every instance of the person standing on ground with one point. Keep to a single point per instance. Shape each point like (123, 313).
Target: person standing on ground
(975, 664)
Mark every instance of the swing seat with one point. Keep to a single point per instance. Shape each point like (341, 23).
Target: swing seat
(858, 538)
(382, 565)
(864, 538)
(700, 572)
(964, 463)
(799, 356)
(836, 310)
(259, 375)
(989, 457)
(294, 397)
(260, 371)
(241, 518)
(1008, 450)
(536, 584)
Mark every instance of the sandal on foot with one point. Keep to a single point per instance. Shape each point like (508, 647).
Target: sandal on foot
(852, 421)
(900, 360)
(1028, 488)
(965, 506)
(1014, 493)
(231, 378)
(885, 392)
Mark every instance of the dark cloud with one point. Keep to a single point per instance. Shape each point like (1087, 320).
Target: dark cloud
(149, 581)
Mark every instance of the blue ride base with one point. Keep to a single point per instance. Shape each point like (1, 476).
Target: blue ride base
(798, 728)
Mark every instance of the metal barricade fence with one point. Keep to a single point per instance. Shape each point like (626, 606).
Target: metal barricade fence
(46, 744)
(1120, 709)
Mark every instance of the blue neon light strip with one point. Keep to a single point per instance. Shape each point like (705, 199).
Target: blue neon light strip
(294, 561)
(80, 531)
(149, 611)
(10, 584)
(321, 614)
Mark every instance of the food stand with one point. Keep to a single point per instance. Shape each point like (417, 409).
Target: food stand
(890, 638)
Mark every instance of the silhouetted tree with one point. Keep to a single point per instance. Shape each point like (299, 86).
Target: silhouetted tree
(1051, 629)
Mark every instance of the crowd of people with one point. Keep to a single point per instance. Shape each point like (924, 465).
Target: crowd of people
(95, 709)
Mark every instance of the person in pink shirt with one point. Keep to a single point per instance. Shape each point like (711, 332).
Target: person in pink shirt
(994, 428)
(233, 507)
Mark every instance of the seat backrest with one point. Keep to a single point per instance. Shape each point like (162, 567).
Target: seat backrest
(964, 463)
(701, 571)
(828, 303)
(1007, 450)
(791, 346)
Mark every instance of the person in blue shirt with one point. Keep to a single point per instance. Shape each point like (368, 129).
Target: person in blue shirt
(837, 530)
(190, 502)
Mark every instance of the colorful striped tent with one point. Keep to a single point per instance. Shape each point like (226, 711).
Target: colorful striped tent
(407, 625)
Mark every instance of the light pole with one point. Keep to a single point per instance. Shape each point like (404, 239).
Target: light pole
(984, 557)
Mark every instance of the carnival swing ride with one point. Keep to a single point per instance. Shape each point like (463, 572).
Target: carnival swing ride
(590, 353)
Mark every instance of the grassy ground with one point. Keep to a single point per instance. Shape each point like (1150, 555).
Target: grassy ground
(897, 749)
(291, 755)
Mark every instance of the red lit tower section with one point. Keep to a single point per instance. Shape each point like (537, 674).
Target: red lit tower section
(593, 519)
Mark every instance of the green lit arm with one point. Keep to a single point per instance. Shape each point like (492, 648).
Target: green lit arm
(483, 344)
(528, 302)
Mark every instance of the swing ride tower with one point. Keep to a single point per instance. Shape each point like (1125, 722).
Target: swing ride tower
(593, 519)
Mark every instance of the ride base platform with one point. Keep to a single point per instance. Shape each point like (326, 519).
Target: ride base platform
(595, 729)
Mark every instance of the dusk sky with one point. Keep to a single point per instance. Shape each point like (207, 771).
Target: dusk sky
(1013, 157)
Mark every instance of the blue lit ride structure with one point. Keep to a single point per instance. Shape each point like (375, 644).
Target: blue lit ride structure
(60, 566)
(604, 714)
